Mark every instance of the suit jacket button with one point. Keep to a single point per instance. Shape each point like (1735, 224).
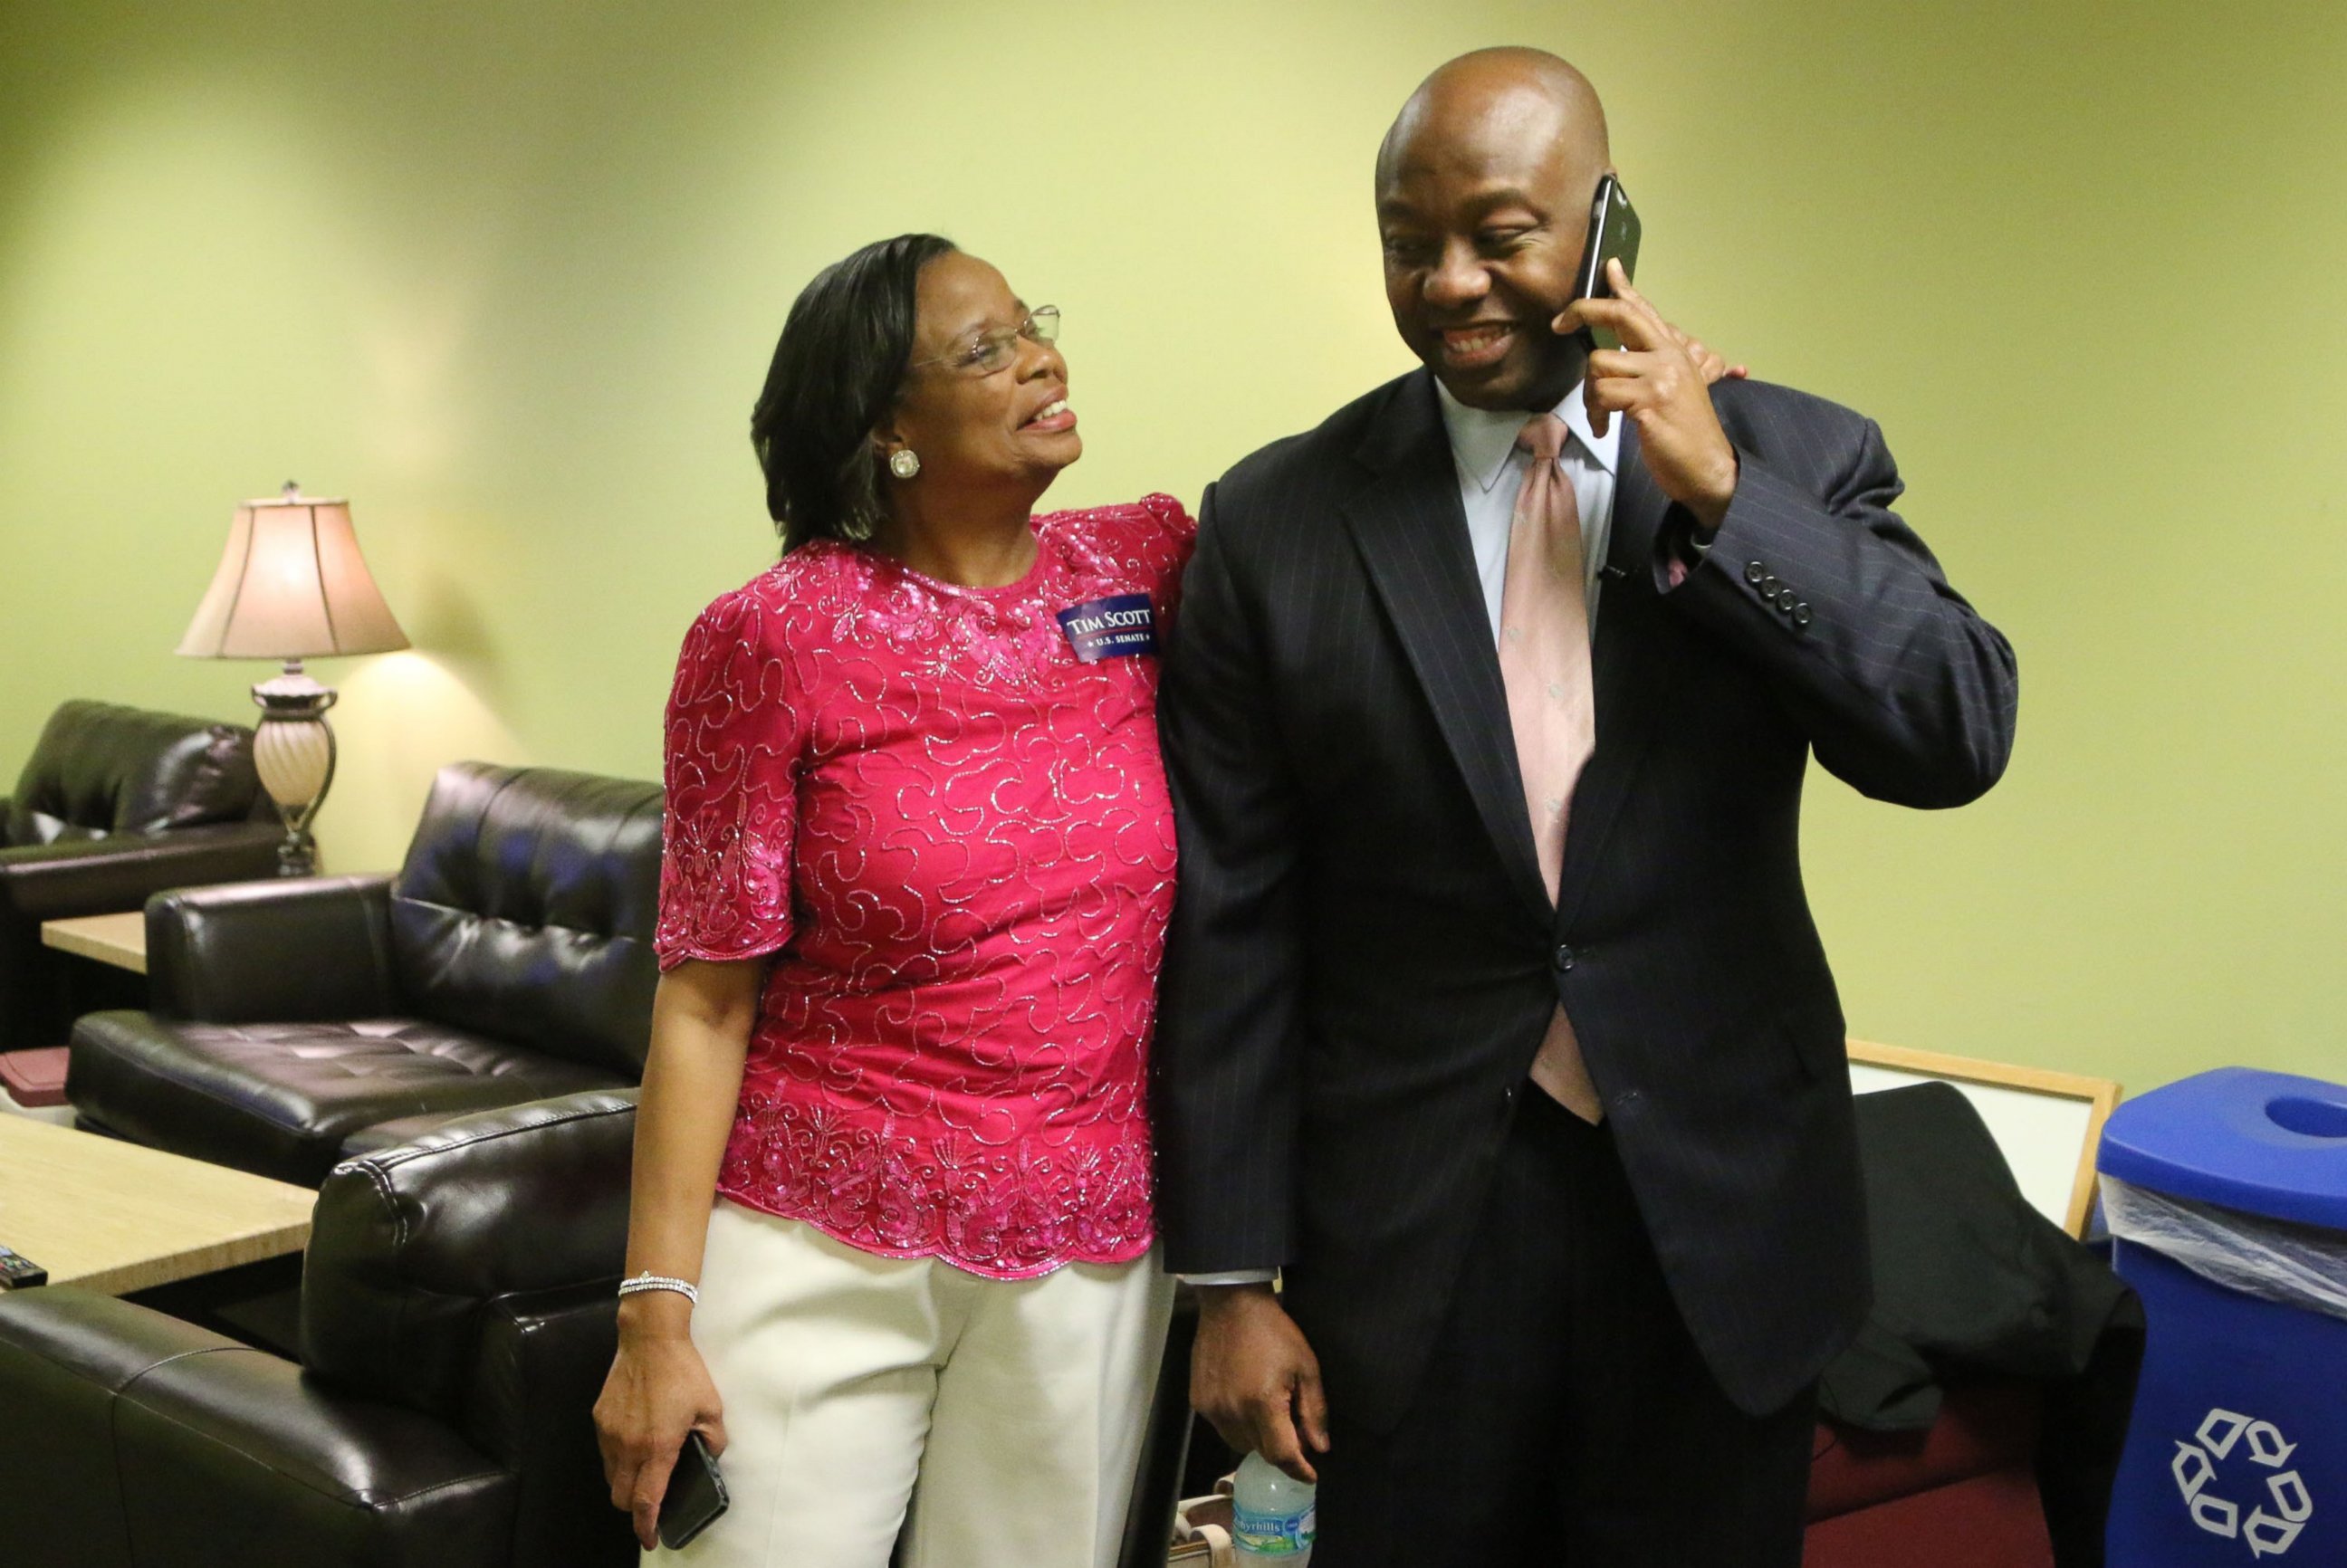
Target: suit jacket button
(1754, 571)
(1801, 614)
(1563, 959)
(1785, 601)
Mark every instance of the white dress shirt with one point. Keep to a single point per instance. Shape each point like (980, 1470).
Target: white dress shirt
(1492, 470)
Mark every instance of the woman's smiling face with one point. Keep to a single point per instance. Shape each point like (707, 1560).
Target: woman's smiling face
(974, 424)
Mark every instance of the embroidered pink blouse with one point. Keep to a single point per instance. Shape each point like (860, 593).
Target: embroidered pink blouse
(953, 837)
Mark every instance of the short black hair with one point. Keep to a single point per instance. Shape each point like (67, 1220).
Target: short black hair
(835, 372)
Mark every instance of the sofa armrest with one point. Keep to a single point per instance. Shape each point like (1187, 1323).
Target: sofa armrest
(65, 1355)
(543, 1359)
(101, 876)
(218, 1453)
(288, 950)
(411, 1245)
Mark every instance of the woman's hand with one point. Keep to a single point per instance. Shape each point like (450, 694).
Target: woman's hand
(658, 1391)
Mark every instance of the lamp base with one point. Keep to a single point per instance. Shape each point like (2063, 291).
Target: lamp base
(297, 855)
(293, 752)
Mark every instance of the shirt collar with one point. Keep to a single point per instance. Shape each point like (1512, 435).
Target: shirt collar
(1482, 438)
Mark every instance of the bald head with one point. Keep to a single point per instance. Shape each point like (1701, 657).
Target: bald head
(1525, 96)
(1484, 186)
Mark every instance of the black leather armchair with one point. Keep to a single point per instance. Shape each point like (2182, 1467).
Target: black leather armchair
(509, 960)
(113, 805)
(456, 1321)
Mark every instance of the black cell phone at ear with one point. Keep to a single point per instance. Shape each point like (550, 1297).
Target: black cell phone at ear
(1612, 237)
(695, 1495)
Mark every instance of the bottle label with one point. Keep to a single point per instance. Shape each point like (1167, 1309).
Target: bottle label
(1275, 1534)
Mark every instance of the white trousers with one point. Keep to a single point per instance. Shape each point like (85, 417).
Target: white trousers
(1005, 1415)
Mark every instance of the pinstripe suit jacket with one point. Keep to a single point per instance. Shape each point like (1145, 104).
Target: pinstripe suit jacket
(1362, 958)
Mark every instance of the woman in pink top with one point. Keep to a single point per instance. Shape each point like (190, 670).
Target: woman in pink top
(919, 860)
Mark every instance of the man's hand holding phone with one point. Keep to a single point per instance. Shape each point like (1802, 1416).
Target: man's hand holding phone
(1660, 378)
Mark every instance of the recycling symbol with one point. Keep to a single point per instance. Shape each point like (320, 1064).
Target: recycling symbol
(2194, 1466)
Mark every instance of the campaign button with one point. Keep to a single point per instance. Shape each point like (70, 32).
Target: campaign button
(1122, 626)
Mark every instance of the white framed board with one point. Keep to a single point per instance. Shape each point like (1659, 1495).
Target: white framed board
(2046, 1124)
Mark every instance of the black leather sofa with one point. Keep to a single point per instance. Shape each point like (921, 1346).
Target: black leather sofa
(456, 1321)
(456, 1305)
(457, 1317)
(113, 805)
(295, 1021)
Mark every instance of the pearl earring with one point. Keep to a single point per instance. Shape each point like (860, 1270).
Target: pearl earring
(903, 463)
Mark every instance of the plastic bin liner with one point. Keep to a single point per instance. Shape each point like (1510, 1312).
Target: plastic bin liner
(2298, 1265)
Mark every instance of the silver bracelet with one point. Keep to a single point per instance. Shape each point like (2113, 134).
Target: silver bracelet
(647, 1280)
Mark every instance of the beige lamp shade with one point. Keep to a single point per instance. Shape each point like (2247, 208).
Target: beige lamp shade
(292, 585)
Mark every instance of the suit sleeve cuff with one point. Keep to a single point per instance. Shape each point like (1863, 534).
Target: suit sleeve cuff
(1680, 548)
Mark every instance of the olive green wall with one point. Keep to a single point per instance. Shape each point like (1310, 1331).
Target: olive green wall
(506, 273)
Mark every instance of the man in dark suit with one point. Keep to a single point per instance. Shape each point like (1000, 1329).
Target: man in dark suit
(1502, 1029)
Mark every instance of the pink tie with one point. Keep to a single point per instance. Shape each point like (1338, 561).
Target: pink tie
(1544, 665)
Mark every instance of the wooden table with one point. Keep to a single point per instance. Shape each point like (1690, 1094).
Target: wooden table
(116, 1217)
(117, 939)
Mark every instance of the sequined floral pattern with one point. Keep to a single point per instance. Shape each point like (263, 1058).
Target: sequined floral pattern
(955, 839)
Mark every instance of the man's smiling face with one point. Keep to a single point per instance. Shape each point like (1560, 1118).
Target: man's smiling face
(1483, 193)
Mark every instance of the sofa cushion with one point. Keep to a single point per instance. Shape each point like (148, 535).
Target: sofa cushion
(526, 907)
(391, 1134)
(279, 1099)
(99, 770)
(34, 1079)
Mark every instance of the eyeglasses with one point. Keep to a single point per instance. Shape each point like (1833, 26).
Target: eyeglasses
(989, 352)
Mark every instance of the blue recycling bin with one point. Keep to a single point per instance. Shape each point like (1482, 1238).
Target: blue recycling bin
(2227, 1198)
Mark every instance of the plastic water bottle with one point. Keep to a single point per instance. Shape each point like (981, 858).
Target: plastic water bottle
(1274, 1518)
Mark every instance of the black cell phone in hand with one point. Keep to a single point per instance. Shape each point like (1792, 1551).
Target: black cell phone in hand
(695, 1495)
(1612, 237)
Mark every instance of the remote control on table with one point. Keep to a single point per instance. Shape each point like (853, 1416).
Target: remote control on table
(17, 1271)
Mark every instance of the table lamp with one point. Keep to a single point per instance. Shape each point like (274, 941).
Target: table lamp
(292, 585)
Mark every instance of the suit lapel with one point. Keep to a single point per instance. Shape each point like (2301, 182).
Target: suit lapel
(1630, 665)
(1412, 536)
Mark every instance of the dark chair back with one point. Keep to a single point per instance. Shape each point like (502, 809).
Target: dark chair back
(99, 770)
(471, 1275)
(526, 910)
